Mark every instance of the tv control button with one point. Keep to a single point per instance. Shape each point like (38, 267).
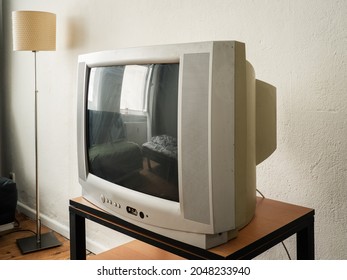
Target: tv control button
(103, 199)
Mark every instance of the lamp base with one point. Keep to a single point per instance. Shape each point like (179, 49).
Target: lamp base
(29, 244)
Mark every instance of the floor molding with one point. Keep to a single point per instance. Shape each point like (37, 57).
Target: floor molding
(58, 227)
(6, 226)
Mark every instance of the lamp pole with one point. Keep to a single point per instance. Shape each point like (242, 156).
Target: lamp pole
(38, 221)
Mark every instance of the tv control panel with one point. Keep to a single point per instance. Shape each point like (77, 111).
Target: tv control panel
(130, 210)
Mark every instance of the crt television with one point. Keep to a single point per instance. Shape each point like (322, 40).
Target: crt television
(169, 137)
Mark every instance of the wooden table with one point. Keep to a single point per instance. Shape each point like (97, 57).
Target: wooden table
(274, 221)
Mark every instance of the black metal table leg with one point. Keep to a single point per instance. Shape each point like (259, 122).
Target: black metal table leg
(77, 236)
(305, 242)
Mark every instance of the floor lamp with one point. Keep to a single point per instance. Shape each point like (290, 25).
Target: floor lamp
(35, 31)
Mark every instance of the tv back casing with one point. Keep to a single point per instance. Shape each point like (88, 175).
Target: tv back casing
(218, 143)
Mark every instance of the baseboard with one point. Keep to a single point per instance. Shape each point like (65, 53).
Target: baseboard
(6, 226)
(45, 220)
(60, 228)
(95, 247)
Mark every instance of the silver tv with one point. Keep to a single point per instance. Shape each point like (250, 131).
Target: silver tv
(169, 137)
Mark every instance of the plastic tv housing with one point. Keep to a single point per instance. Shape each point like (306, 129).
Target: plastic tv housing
(169, 137)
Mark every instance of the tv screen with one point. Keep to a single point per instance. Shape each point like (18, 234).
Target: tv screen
(132, 127)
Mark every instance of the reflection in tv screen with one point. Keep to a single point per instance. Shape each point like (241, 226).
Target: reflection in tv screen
(132, 127)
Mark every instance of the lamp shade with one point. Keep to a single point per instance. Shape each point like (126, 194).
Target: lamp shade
(33, 31)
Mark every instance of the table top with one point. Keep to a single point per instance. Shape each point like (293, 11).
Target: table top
(272, 219)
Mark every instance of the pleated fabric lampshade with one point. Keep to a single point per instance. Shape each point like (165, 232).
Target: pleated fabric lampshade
(33, 31)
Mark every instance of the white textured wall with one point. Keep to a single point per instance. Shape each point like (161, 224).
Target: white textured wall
(298, 46)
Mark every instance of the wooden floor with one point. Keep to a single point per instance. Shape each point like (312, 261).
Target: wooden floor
(26, 227)
(134, 250)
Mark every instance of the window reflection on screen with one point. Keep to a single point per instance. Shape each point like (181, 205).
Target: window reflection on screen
(132, 127)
